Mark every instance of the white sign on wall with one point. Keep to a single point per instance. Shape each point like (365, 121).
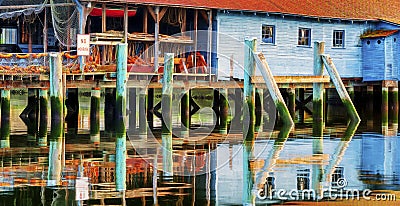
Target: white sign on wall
(83, 45)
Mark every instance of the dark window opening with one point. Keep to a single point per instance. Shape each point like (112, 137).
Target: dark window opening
(268, 34)
(304, 37)
(338, 38)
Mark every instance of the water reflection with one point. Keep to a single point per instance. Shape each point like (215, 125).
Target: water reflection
(217, 170)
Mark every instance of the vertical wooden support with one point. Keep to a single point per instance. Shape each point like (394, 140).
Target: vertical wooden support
(120, 114)
(72, 104)
(43, 117)
(301, 109)
(156, 40)
(109, 108)
(103, 18)
(57, 120)
(259, 109)
(145, 19)
(238, 102)
(166, 106)
(185, 114)
(95, 116)
(126, 23)
(209, 45)
(5, 118)
(31, 112)
(318, 93)
(223, 110)
(292, 102)
(370, 106)
(249, 91)
(385, 107)
(45, 36)
(150, 105)
(394, 107)
(143, 115)
(132, 110)
(215, 107)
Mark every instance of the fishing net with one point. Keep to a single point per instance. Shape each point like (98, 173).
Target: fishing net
(65, 21)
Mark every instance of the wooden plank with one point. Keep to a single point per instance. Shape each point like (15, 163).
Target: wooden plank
(294, 79)
(162, 12)
(151, 12)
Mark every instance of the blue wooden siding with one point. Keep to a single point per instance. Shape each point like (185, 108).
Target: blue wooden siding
(373, 59)
(285, 57)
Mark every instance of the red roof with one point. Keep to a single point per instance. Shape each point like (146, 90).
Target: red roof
(378, 33)
(344, 9)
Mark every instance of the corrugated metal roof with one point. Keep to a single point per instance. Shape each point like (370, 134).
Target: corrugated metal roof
(343, 9)
(378, 33)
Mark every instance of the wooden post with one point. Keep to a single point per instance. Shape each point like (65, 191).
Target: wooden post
(318, 91)
(301, 109)
(236, 121)
(120, 115)
(259, 109)
(215, 107)
(109, 108)
(385, 107)
(95, 116)
(132, 110)
(143, 115)
(209, 45)
(145, 19)
(292, 102)
(223, 110)
(156, 40)
(394, 107)
(249, 92)
(126, 33)
(185, 114)
(340, 88)
(43, 117)
(45, 37)
(72, 104)
(103, 18)
(274, 90)
(370, 106)
(57, 120)
(166, 106)
(5, 118)
(150, 105)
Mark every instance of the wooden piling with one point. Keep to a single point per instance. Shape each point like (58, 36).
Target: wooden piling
(5, 118)
(142, 113)
(57, 120)
(301, 109)
(43, 117)
(249, 91)
(259, 109)
(238, 102)
(109, 107)
(132, 110)
(120, 115)
(274, 90)
(166, 106)
(95, 116)
(72, 104)
(385, 107)
(340, 88)
(215, 108)
(318, 91)
(370, 106)
(150, 105)
(223, 111)
(292, 102)
(185, 114)
(394, 107)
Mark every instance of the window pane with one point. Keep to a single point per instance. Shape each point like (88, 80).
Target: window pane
(304, 36)
(338, 38)
(268, 34)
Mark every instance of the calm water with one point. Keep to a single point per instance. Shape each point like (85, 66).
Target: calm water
(210, 169)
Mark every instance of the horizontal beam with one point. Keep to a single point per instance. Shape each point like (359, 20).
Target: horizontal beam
(294, 79)
(35, 5)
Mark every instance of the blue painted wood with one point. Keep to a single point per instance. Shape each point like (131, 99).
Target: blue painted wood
(285, 57)
(373, 59)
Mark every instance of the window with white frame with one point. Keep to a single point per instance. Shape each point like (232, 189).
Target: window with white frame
(8, 36)
(304, 37)
(338, 38)
(268, 34)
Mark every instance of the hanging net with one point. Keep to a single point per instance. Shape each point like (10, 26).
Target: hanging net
(65, 19)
